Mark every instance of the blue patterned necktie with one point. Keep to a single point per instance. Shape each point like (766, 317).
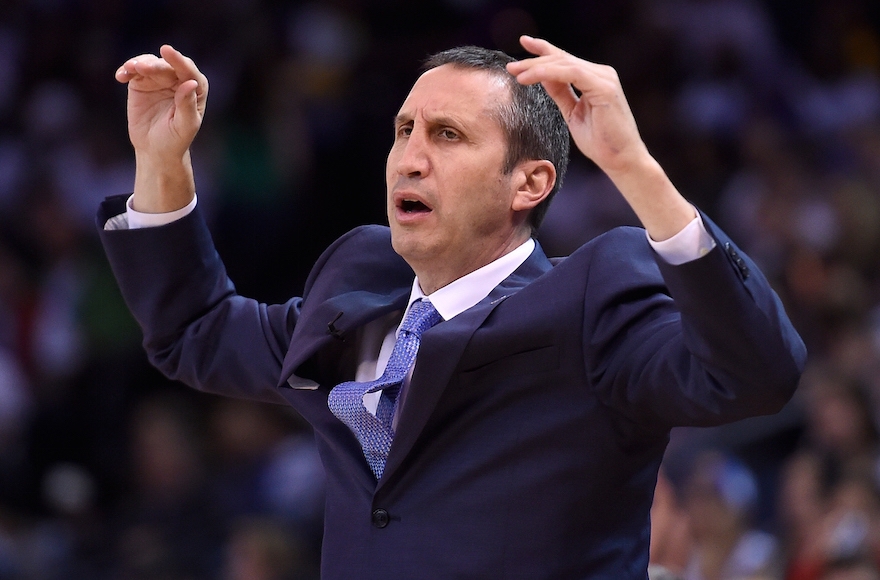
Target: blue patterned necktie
(346, 400)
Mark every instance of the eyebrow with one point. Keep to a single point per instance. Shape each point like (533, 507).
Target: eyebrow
(442, 120)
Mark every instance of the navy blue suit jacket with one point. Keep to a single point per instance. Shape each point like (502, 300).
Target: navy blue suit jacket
(535, 422)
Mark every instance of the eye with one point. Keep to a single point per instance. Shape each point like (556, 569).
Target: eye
(448, 134)
(403, 130)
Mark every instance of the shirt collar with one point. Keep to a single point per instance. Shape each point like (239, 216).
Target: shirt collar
(461, 294)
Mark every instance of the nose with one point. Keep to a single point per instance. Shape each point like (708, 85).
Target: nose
(413, 160)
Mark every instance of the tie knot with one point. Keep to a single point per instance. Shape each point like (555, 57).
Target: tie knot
(421, 316)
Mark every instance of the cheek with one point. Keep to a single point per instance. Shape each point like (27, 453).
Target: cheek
(390, 164)
(389, 179)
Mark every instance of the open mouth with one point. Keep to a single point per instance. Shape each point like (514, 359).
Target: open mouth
(413, 206)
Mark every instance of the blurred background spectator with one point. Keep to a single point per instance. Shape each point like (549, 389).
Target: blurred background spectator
(720, 498)
(765, 113)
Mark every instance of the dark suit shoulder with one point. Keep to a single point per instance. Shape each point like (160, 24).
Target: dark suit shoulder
(622, 239)
(622, 250)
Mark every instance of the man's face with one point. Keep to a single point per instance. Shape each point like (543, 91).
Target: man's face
(449, 202)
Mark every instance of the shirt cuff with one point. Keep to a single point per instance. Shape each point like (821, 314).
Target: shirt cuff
(138, 220)
(689, 244)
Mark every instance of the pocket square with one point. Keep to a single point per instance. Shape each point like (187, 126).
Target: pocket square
(301, 384)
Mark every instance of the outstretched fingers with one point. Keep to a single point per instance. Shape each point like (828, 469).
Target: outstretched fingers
(538, 46)
(185, 68)
(140, 66)
(554, 65)
(591, 100)
(169, 70)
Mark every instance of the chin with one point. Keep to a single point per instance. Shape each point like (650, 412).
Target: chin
(410, 247)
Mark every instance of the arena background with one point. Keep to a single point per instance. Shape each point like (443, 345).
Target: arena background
(764, 113)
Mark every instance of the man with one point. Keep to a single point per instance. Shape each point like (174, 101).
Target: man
(525, 440)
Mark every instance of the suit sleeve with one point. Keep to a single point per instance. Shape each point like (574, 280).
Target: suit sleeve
(196, 328)
(702, 343)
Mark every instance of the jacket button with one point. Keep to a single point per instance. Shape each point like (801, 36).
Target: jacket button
(380, 518)
(737, 260)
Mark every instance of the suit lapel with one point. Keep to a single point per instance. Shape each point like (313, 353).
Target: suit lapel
(443, 347)
(334, 321)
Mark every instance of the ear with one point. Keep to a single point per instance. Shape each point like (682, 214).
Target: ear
(535, 179)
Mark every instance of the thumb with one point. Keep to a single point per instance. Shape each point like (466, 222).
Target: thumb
(186, 115)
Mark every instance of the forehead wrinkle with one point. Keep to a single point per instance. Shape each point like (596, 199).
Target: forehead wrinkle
(470, 94)
(439, 115)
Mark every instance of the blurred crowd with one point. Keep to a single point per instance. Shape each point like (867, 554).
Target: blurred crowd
(765, 113)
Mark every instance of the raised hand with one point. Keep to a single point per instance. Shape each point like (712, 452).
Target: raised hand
(601, 123)
(167, 95)
(166, 100)
(603, 128)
